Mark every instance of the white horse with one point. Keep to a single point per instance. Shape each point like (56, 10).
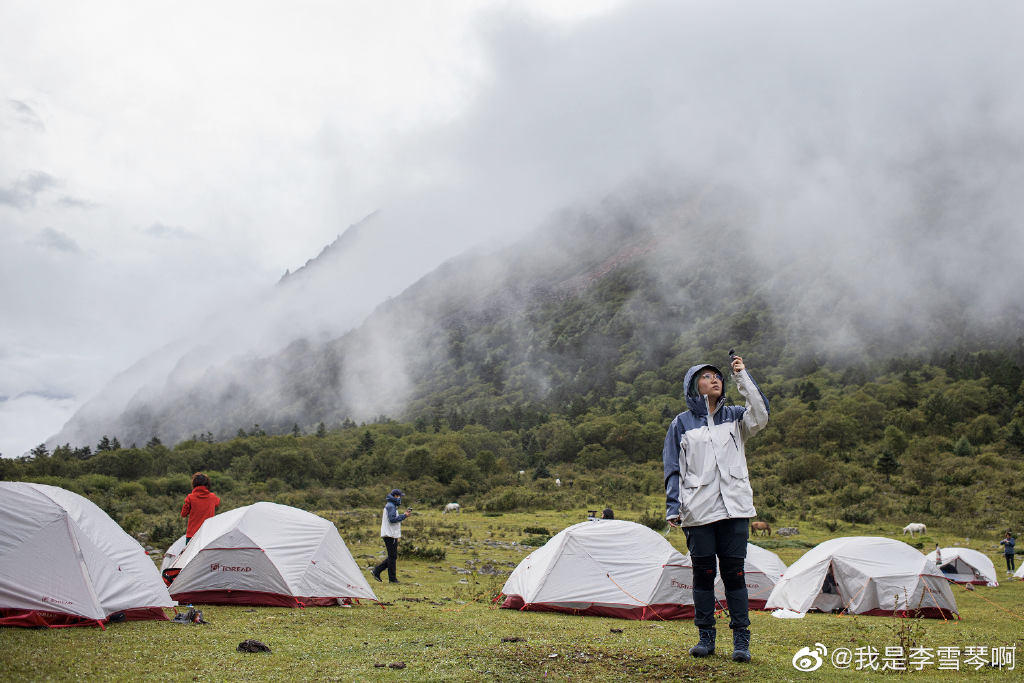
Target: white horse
(915, 528)
(451, 507)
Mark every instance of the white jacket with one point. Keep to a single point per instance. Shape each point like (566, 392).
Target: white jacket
(706, 477)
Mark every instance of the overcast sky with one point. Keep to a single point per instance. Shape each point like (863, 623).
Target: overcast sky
(159, 161)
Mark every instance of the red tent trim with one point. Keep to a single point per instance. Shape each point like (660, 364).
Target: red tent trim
(664, 611)
(41, 619)
(229, 597)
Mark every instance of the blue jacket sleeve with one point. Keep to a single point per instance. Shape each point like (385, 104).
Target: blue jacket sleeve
(670, 460)
(393, 515)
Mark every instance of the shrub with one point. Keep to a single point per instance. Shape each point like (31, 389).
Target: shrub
(653, 520)
(535, 541)
(425, 553)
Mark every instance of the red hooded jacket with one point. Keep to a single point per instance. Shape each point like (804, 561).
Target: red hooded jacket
(199, 506)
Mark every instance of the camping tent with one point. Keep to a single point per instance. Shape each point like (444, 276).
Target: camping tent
(172, 553)
(610, 568)
(65, 562)
(963, 565)
(762, 570)
(1019, 574)
(864, 575)
(267, 554)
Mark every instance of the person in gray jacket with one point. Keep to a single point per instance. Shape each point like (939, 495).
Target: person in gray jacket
(391, 531)
(708, 494)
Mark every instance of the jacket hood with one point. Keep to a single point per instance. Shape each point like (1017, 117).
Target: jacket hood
(694, 401)
(393, 499)
(201, 492)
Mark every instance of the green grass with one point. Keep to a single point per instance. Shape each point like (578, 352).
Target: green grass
(444, 626)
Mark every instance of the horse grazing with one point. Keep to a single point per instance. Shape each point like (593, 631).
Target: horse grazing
(451, 507)
(763, 527)
(915, 528)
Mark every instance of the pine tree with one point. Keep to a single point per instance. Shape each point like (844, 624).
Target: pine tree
(1016, 437)
(887, 463)
(321, 430)
(963, 448)
(365, 444)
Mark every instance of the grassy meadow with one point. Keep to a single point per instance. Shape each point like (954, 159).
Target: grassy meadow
(445, 625)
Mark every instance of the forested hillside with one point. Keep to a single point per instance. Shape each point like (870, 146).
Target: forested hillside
(563, 356)
(937, 440)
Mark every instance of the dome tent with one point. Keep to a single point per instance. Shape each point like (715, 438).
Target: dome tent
(963, 565)
(172, 553)
(609, 568)
(267, 554)
(65, 562)
(864, 575)
(762, 570)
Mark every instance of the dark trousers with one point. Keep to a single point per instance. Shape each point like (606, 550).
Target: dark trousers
(1010, 566)
(391, 561)
(725, 540)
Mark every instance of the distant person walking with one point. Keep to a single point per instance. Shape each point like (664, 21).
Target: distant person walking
(1008, 543)
(708, 494)
(391, 531)
(199, 505)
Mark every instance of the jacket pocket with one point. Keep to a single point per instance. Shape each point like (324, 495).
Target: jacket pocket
(692, 481)
(738, 472)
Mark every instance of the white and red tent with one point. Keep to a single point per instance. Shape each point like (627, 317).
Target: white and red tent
(65, 562)
(762, 570)
(172, 553)
(864, 575)
(267, 554)
(609, 568)
(963, 565)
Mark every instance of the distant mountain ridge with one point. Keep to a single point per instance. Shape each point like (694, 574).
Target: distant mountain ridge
(641, 284)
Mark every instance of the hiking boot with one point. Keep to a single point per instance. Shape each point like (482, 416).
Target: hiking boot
(741, 645)
(706, 646)
(374, 574)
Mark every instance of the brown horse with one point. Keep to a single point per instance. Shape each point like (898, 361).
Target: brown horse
(762, 527)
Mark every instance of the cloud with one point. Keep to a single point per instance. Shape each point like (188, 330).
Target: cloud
(70, 202)
(25, 418)
(873, 139)
(22, 193)
(162, 231)
(57, 240)
(26, 114)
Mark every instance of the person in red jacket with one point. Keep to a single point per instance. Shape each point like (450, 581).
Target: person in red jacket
(199, 505)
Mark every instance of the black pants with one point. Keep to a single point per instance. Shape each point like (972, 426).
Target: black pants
(391, 561)
(725, 539)
(1010, 563)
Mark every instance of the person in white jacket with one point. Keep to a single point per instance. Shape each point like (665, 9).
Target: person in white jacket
(708, 494)
(391, 531)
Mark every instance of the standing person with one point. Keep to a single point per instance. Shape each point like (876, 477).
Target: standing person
(1008, 543)
(708, 494)
(199, 505)
(391, 531)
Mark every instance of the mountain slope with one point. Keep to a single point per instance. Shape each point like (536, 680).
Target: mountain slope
(650, 280)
